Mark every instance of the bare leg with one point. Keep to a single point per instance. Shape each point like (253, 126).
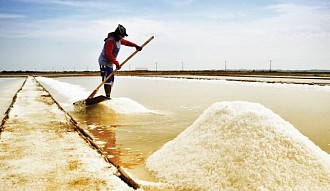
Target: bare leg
(107, 89)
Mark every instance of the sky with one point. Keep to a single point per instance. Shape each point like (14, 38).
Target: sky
(67, 35)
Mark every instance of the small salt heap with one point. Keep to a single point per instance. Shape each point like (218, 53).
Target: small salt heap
(241, 146)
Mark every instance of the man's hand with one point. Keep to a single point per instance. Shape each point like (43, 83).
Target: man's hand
(138, 48)
(118, 67)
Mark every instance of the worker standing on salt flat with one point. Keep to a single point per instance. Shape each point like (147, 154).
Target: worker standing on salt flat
(108, 56)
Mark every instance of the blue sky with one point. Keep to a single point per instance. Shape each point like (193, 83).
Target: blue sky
(62, 35)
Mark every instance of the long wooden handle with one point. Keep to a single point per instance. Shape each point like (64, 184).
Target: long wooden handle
(122, 64)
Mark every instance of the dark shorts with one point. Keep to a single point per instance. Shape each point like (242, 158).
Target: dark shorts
(105, 72)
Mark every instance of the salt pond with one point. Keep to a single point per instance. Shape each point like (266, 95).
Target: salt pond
(9, 87)
(158, 109)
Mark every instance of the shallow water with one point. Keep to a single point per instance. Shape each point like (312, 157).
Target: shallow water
(174, 104)
(9, 87)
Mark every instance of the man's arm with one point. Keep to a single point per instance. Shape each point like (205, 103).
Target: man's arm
(131, 44)
(128, 43)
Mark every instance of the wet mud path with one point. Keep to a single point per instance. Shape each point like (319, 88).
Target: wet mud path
(40, 149)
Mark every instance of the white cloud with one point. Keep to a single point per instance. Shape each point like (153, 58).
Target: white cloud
(10, 16)
(179, 2)
(70, 3)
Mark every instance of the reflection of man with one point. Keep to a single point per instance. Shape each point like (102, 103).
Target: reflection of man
(109, 54)
(94, 119)
(108, 135)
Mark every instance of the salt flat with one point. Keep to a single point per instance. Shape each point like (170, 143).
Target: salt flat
(39, 149)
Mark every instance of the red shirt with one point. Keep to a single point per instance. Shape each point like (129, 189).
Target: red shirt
(109, 49)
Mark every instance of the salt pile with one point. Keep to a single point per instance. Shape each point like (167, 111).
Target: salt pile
(76, 94)
(241, 146)
(126, 106)
(70, 91)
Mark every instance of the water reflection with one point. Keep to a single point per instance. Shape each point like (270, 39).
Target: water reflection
(106, 140)
(102, 124)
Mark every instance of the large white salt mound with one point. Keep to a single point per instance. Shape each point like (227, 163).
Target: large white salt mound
(126, 106)
(241, 146)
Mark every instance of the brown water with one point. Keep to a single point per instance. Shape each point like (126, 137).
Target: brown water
(128, 140)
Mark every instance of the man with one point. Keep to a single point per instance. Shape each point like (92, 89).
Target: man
(108, 56)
